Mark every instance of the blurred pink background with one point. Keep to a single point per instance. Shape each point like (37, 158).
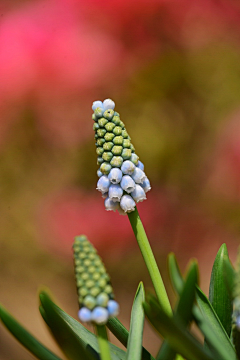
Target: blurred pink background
(172, 68)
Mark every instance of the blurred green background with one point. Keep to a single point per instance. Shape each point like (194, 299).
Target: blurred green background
(173, 70)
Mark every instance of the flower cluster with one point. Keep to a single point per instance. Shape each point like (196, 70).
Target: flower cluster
(95, 293)
(122, 180)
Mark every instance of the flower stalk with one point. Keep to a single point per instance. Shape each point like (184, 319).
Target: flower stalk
(103, 342)
(150, 261)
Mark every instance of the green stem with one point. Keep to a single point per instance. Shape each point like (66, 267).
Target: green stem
(103, 342)
(150, 261)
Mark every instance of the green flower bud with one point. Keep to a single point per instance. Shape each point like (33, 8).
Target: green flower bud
(94, 117)
(95, 126)
(126, 153)
(108, 114)
(118, 140)
(90, 302)
(95, 291)
(125, 134)
(100, 142)
(101, 132)
(134, 159)
(102, 299)
(109, 136)
(108, 145)
(117, 130)
(99, 150)
(132, 148)
(126, 143)
(116, 161)
(105, 169)
(107, 156)
(98, 112)
(90, 284)
(116, 120)
(100, 160)
(122, 124)
(117, 150)
(109, 126)
(102, 122)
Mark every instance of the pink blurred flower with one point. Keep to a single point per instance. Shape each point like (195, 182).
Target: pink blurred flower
(51, 58)
(65, 215)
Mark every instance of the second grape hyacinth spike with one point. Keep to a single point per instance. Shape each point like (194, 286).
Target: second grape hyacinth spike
(122, 180)
(95, 293)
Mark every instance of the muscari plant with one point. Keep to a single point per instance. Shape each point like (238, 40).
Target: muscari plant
(123, 183)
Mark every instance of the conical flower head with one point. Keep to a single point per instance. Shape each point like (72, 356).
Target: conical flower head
(122, 180)
(95, 293)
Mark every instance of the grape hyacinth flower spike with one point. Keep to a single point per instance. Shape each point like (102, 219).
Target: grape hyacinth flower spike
(95, 293)
(122, 180)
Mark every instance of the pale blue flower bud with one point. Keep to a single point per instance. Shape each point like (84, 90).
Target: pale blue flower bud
(100, 315)
(96, 104)
(113, 308)
(108, 104)
(111, 205)
(115, 176)
(138, 194)
(146, 185)
(128, 167)
(99, 173)
(127, 203)
(140, 165)
(115, 192)
(138, 176)
(127, 184)
(103, 184)
(134, 158)
(85, 315)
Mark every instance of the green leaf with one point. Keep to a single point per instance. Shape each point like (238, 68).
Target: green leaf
(71, 336)
(121, 333)
(206, 318)
(175, 274)
(68, 344)
(229, 276)
(183, 310)
(215, 334)
(134, 345)
(175, 333)
(187, 297)
(218, 293)
(25, 338)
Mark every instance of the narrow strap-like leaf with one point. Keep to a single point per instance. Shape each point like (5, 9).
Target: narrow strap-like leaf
(206, 318)
(134, 345)
(71, 347)
(69, 333)
(218, 293)
(121, 333)
(25, 338)
(217, 339)
(183, 309)
(175, 333)
(175, 273)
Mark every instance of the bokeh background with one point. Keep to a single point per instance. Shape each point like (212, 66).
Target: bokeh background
(173, 69)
